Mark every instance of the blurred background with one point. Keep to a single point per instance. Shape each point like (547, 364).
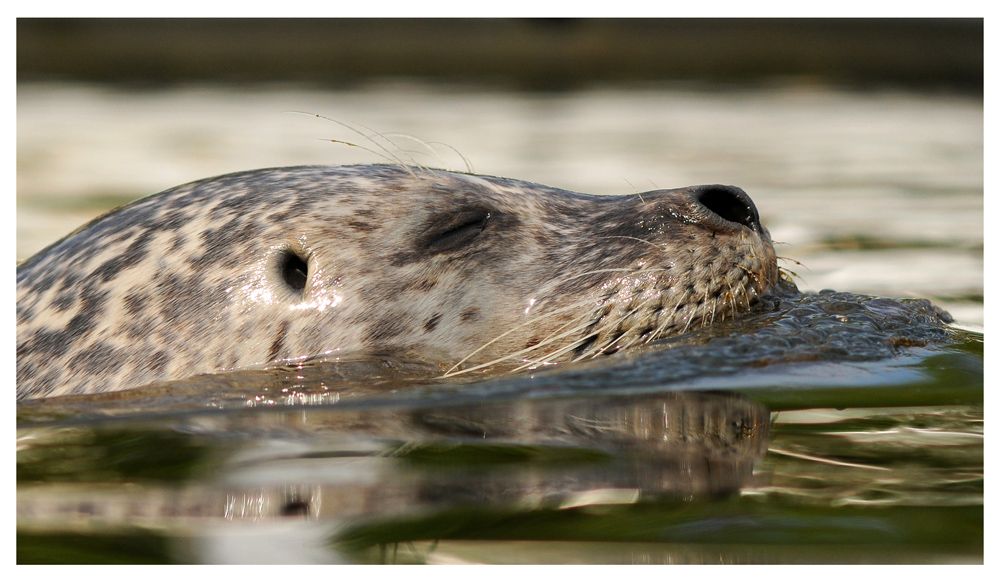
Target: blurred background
(861, 141)
(540, 54)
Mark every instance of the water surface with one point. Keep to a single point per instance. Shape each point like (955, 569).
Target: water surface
(824, 428)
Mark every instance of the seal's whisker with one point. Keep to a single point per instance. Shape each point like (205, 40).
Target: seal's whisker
(534, 320)
(609, 326)
(506, 357)
(749, 294)
(655, 332)
(581, 328)
(749, 273)
(555, 283)
(428, 150)
(668, 321)
(435, 154)
(742, 288)
(547, 359)
(385, 139)
(687, 324)
(616, 269)
(714, 301)
(466, 161)
(657, 245)
(796, 262)
(386, 153)
(544, 359)
(559, 333)
(754, 288)
(627, 270)
(381, 155)
(597, 350)
(732, 295)
(791, 274)
(637, 193)
(636, 338)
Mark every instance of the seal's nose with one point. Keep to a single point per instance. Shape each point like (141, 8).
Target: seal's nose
(729, 203)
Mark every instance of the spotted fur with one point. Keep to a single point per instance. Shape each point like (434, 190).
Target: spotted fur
(464, 271)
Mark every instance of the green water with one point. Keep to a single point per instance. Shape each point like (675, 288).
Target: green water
(877, 473)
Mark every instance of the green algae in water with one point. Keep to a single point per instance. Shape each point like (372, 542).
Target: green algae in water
(138, 547)
(111, 454)
(727, 522)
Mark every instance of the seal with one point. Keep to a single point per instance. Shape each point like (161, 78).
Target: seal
(466, 272)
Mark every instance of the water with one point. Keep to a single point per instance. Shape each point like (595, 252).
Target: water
(871, 192)
(823, 428)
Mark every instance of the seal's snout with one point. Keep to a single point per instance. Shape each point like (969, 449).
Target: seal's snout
(729, 203)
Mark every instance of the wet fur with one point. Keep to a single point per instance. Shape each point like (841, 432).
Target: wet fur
(189, 281)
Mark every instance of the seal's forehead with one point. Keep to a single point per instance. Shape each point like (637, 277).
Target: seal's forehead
(412, 194)
(503, 194)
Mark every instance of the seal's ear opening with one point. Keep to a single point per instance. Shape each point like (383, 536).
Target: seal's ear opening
(293, 269)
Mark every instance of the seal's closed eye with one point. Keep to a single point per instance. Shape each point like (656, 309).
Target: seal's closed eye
(456, 230)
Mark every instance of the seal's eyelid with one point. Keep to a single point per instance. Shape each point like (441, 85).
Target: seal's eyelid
(456, 231)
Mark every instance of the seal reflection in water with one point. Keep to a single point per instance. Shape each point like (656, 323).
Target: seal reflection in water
(463, 271)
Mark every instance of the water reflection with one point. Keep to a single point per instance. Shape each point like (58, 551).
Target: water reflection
(665, 478)
(354, 461)
(337, 465)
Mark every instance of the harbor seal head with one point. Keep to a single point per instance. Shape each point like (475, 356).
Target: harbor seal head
(463, 271)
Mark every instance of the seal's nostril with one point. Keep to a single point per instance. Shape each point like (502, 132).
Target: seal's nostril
(730, 203)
